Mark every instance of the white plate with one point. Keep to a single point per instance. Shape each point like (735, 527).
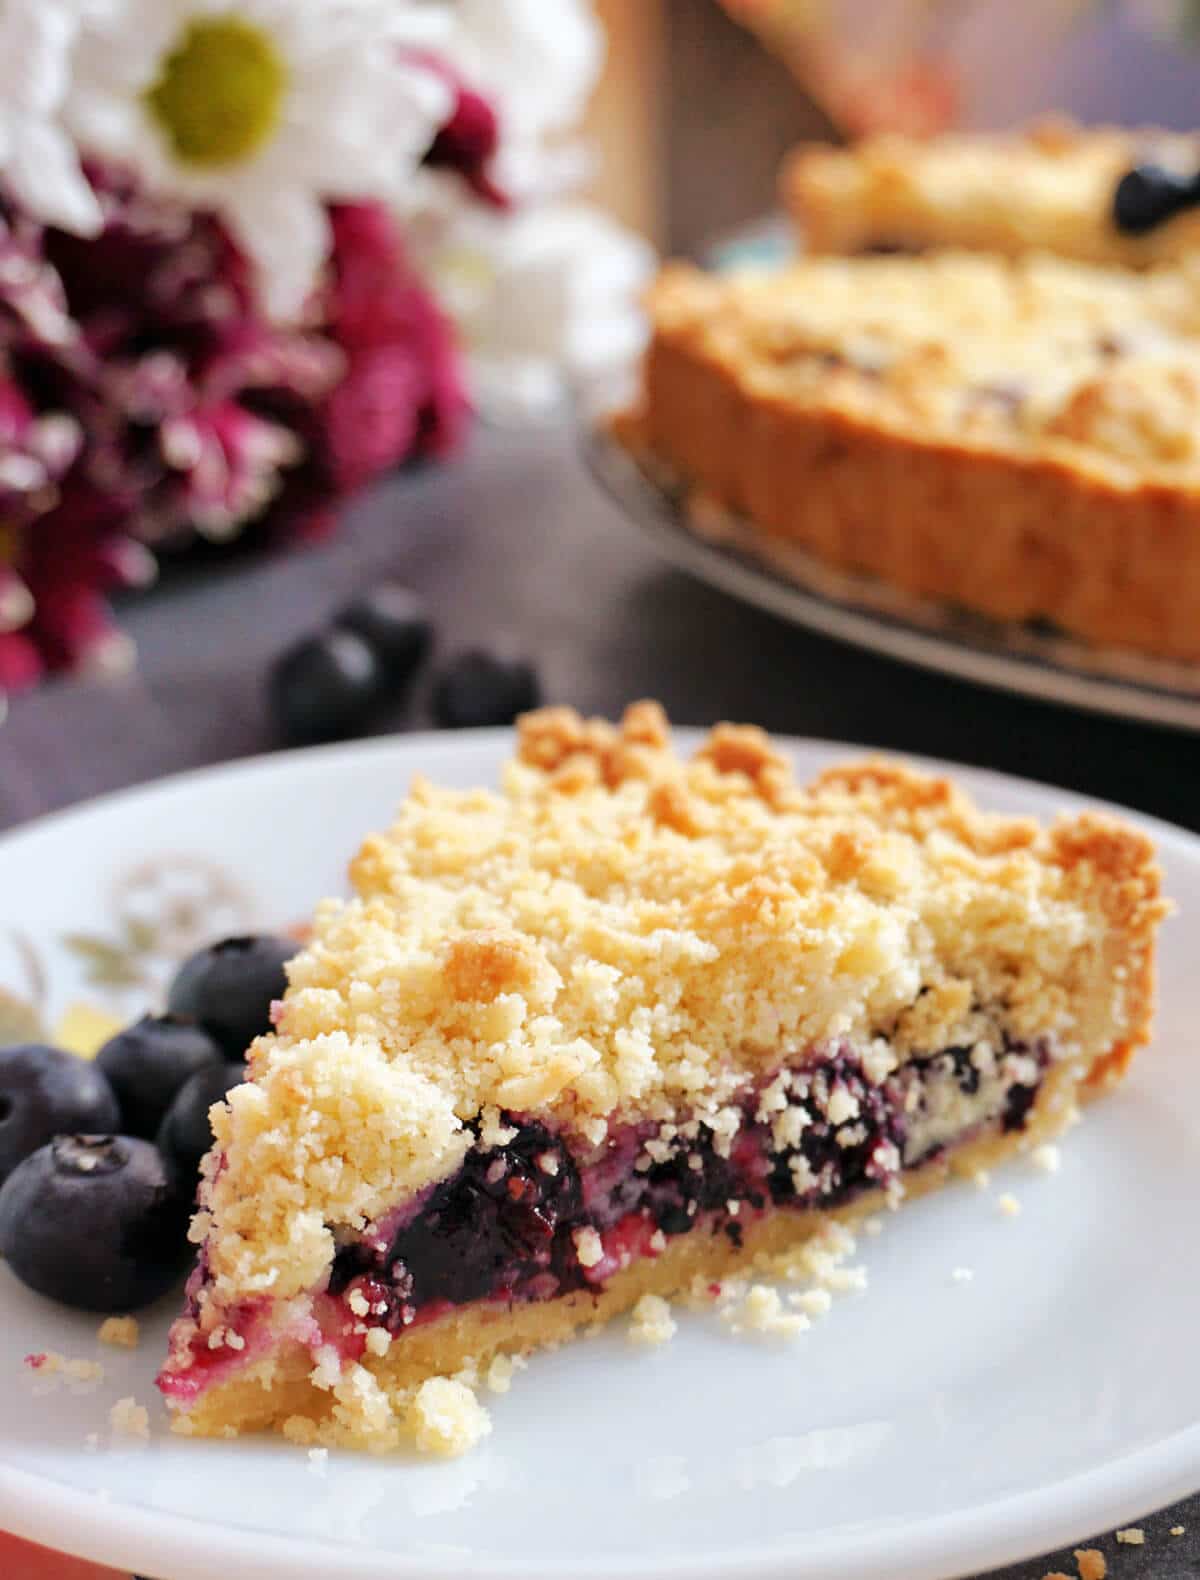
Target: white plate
(924, 1429)
(723, 550)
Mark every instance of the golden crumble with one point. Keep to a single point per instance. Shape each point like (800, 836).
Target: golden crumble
(761, 1311)
(537, 950)
(446, 1418)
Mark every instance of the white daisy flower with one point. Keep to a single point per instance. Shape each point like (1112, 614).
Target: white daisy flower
(545, 299)
(538, 62)
(37, 158)
(259, 110)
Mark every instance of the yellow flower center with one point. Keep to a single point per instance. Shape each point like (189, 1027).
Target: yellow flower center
(219, 95)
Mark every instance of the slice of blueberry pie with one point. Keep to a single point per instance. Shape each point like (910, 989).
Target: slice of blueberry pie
(631, 1023)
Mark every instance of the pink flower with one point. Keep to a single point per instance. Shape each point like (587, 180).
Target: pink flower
(146, 397)
(402, 391)
(468, 142)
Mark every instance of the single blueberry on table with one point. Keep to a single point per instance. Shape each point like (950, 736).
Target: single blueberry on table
(230, 987)
(479, 688)
(44, 1092)
(94, 1221)
(185, 1134)
(392, 621)
(148, 1062)
(325, 688)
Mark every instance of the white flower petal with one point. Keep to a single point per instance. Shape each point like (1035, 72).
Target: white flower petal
(287, 234)
(35, 45)
(542, 61)
(43, 171)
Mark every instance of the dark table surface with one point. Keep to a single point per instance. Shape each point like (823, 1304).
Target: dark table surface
(513, 545)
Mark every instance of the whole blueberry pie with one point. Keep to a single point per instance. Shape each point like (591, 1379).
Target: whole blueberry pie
(632, 1022)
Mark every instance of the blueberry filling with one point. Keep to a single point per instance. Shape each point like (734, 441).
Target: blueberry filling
(509, 1225)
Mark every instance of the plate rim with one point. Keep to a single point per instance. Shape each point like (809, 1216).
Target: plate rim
(650, 509)
(1000, 1531)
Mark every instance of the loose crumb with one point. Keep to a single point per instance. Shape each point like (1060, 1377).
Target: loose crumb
(1047, 1158)
(813, 1302)
(1057, 1574)
(80, 1370)
(762, 1312)
(379, 1341)
(1132, 1536)
(127, 1418)
(962, 1275)
(447, 1419)
(500, 1373)
(1177, 1530)
(588, 1247)
(122, 1333)
(1092, 1563)
(981, 1179)
(652, 1322)
(50, 1364)
(1009, 1205)
(318, 1461)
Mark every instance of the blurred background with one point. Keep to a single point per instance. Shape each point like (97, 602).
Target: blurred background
(701, 98)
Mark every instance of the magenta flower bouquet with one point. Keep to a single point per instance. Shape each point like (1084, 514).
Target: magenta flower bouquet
(254, 256)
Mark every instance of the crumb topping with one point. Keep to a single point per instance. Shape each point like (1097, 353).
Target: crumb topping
(561, 948)
(1029, 357)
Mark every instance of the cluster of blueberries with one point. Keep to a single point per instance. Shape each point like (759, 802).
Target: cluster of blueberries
(339, 681)
(99, 1159)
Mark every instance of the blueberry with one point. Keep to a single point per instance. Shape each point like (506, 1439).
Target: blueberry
(95, 1222)
(185, 1134)
(479, 688)
(230, 987)
(392, 622)
(326, 687)
(1146, 196)
(44, 1092)
(148, 1062)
